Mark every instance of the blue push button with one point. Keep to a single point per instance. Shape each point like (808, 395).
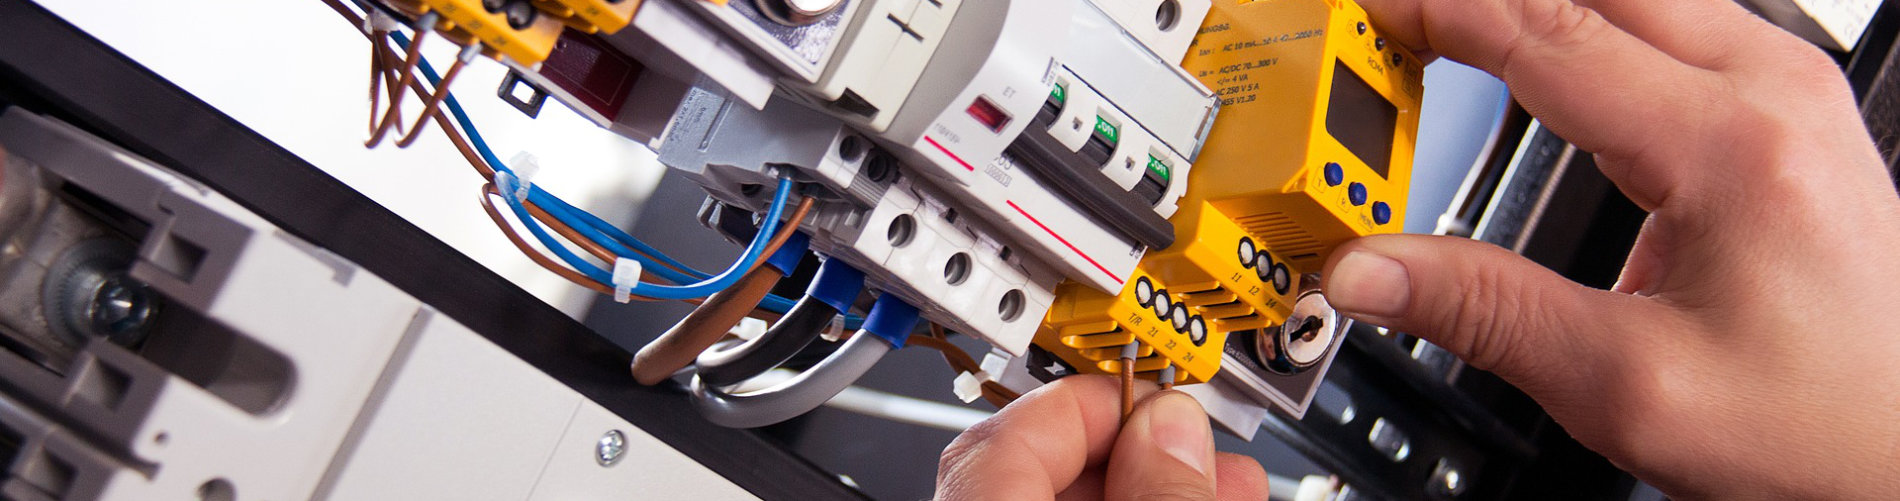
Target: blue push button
(1335, 174)
(1357, 193)
(1381, 213)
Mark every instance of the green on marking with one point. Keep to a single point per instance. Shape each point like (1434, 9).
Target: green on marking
(1108, 131)
(1061, 94)
(1160, 169)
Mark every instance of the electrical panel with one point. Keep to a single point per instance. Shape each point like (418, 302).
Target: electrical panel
(973, 192)
(1313, 147)
(1082, 184)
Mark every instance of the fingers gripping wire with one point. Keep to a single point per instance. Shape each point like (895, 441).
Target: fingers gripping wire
(890, 321)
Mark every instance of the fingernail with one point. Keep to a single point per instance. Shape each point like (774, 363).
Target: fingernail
(1364, 283)
(1179, 426)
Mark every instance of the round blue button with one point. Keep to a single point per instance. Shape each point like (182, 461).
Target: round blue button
(1381, 213)
(1357, 193)
(1335, 174)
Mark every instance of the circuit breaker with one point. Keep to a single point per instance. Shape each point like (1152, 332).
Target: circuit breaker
(1319, 113)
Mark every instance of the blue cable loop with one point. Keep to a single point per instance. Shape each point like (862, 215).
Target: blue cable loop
(601, 232)
(592, 227)
(506, 184)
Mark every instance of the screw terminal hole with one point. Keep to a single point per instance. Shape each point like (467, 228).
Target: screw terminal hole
(957, 270)
(851, 149)
(1168, 15)
(217, 489)
(1011, 307)
(901, 230)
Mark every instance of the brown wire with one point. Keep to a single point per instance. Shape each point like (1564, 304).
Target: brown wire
(785, 231)
(377, 71)
(1128, 388)
(347, 14)
(481, 166)
(383, 53)
(433, 106)
(679, 345)
(411, 58)
(488, 205)
(960, 362)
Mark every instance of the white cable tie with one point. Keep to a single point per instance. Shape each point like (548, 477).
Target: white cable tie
(834, 331)
(969, 387)
(749, 328)
(505, 183)
(626, 274)
(379, 21)
(525, 165)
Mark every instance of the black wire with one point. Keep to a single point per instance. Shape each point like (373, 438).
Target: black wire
(787, 337)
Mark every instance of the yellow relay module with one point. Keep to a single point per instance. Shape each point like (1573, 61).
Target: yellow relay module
(1312, 147)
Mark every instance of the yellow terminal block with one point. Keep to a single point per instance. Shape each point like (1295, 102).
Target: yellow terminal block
(1088, 329)
(592, 16)
(528, 45)
(1313, 147)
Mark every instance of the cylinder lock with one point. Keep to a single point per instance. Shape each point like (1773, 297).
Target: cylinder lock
(797, 12)
(1306, 338)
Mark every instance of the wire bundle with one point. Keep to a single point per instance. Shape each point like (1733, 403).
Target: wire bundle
(607, 253)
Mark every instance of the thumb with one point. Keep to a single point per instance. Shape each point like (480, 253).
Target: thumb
(1495, 309)
(1165, 451)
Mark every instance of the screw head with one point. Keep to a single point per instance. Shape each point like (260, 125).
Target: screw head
(122, 307)
(610, 448)
(1362, 28)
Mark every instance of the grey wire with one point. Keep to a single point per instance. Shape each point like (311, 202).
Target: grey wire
(797, 396)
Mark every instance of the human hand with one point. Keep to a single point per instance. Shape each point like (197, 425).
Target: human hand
(1065, 440)
(1744, 352)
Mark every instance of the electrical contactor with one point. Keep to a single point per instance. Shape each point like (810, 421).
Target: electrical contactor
(1313, 147)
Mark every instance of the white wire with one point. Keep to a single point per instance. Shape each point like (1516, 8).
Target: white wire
(882, 405)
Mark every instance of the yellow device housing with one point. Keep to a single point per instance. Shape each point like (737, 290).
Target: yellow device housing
(592, 16)
(463, 20)
(1313, 147)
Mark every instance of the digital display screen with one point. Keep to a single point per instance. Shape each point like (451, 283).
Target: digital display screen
(1361, 119)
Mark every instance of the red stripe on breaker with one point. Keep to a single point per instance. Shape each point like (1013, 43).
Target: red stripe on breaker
(1085, 256)
(946, 151)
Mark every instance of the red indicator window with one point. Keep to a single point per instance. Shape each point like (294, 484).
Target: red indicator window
(986, 113)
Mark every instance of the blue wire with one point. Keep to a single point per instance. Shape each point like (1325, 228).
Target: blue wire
(506, 183)
(593, 227)
(602, 232)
